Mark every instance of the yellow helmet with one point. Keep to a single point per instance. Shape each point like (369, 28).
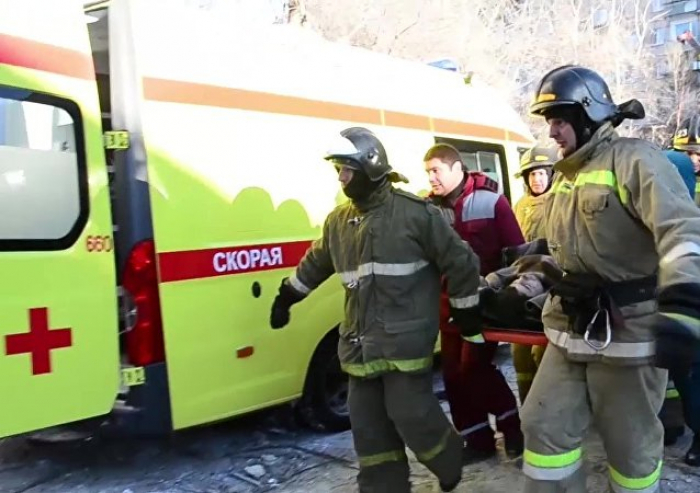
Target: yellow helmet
(537, 157)
(687, 136)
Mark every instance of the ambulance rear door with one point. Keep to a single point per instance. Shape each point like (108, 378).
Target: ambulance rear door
(58, 304)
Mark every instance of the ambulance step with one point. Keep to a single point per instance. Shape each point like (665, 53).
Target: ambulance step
(122, 407)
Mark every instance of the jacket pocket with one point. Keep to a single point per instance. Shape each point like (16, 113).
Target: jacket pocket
(409, 340)
(594, 201)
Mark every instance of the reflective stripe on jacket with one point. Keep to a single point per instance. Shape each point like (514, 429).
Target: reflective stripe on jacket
(618, 208)
(389, 254)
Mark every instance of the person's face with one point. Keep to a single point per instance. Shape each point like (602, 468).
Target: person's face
(345, 174)
(563, 134)
(695, 158)
(443, 178)
(538, 179)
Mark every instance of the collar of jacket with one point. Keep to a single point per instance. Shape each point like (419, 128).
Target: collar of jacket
(452, 197)
(376, 199)
(571, 164)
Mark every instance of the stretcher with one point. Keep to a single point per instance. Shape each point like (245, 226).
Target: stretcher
(517, 336)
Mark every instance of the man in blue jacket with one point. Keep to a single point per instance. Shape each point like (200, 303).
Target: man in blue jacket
(684, 387)
(685, 168)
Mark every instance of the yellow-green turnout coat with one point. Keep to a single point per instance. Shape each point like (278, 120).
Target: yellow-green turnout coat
(617, 208)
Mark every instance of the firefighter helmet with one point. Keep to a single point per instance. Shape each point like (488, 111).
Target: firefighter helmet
(574, 85)
(361, 150)
(537, 157)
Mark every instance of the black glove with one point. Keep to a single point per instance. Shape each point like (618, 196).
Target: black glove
(676, 342)
(279, 315)
(675, 346)
(468, 320)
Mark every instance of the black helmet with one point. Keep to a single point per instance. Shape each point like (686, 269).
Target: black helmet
(361, 150)
(574, 85)
(687, 137)
(537, 157)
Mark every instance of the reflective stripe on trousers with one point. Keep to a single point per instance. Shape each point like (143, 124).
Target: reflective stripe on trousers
(623, 484)
(484, 424)
(384, 457)
(558, 467)
(479, 426)
(554, 467)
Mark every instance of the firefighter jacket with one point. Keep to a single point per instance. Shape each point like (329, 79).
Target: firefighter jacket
(390, 253)
(529, 211)
(619, 209)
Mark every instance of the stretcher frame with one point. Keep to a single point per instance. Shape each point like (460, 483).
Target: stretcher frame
(516, 336)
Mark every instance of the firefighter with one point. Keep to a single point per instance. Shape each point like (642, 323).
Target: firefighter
(536, 171)
(390, 249)
(475, 387)
(620, 224)
(687, 139)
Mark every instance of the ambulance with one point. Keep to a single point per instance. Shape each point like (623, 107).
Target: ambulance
(161, 172)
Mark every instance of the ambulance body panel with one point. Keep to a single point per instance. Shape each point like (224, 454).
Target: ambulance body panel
(224, 184)
(58, 308)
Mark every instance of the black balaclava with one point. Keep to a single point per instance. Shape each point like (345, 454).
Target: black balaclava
(584, 127)
(361, 187)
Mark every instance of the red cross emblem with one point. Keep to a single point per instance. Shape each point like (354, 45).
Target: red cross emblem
(39, 341)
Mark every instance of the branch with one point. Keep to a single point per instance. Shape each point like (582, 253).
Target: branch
(402, 32)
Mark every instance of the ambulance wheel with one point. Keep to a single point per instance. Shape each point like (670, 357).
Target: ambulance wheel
(324, 406)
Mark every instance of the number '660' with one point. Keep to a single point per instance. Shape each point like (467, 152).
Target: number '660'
(99, 243)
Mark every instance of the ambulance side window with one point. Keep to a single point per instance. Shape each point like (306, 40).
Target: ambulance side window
(480, 156)
(43, 178)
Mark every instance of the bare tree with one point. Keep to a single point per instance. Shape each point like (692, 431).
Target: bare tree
(512, 43)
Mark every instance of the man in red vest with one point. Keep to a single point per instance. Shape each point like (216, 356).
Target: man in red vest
(475, 387)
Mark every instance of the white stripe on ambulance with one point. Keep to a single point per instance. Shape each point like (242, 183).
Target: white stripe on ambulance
(247, 259)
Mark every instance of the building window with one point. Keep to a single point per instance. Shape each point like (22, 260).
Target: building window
(662, 69)
(680, 28)
(658, 36)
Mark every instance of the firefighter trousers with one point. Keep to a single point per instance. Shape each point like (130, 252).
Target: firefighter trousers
(391, 412)
(623, 402)
(476, 388)
(526, 359)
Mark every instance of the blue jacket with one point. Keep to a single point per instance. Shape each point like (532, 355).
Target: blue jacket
(685, 168)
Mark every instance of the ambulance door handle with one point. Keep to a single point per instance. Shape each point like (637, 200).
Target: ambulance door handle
(256, 289)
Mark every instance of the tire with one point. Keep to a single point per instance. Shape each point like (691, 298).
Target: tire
(323, 406)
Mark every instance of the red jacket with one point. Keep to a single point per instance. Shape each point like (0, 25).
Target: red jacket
(484, 219)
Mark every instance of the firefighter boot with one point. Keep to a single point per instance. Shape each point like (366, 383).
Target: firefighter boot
(692, 457)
